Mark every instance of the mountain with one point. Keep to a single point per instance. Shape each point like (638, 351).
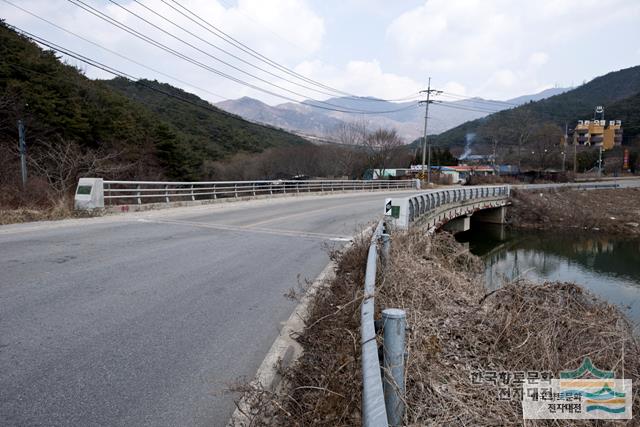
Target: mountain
(547, 93)
(408, 121)
(617, 91)
(158, 130)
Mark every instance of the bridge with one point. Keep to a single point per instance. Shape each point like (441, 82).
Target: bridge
(145, 318)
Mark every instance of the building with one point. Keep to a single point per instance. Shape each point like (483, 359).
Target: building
(390, 173)
(598, 133)
(461, 174)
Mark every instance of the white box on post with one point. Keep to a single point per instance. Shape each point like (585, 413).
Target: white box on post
(89, 194)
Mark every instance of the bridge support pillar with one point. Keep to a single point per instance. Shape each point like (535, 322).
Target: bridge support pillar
(458, 225)
(491, 216)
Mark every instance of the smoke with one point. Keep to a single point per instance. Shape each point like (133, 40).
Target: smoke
(467, 145)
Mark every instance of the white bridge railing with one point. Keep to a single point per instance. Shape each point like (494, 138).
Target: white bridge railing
(96, 193)
(436, 205)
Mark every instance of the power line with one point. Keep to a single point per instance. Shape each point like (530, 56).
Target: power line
(114, 52)
(243, 47)
(216, 47)
(479, 100)
(124, 27)
(110, 70)
(114, 71)
(215, 57)
(467, 108)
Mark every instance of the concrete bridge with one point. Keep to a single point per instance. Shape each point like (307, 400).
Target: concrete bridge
(451, 209)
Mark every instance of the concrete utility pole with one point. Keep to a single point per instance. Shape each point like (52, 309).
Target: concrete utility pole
(22, 147)
(429, 91)
(600, 162)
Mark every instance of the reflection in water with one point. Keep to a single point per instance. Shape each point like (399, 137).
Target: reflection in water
(609, 267)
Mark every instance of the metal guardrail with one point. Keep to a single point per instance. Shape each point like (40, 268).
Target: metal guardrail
(94, 193)
(374, 413)
(409, 209)
(140, 192)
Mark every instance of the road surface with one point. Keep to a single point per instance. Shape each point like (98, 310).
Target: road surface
(145, 318)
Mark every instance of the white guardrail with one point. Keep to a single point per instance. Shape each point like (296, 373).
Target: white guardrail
(94, 193)
(432, 205)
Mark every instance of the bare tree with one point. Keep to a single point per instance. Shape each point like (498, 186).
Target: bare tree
(351, 133)
(545, 145)
(380, 146)
(62, 163)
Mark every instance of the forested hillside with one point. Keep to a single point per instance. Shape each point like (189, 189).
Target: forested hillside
(618, 92)
(114, 128)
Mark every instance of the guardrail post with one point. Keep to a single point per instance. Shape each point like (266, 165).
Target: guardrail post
(235, 190)
(253, 186)
(386, 248)
(166, 193)
(193, 196)
(215, 195)
(271, 188)
(394, 328)
(138, 194)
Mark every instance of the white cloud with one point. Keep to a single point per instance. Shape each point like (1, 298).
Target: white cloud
(361, 78)
(455, 88)
(538, 59)
(260, 25)
(472, 39)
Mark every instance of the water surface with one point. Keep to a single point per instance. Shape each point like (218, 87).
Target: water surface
(606, 265)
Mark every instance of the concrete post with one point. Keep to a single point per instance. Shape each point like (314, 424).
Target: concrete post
(395, 324)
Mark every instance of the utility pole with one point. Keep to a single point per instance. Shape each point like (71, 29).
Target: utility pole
(600, 162)
(22, 147)
(566, 142)
(429, 91)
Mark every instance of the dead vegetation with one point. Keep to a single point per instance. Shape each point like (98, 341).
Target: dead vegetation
(60, 210)
(457, 328)
(612, 211)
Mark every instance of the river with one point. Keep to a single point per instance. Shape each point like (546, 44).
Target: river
(607, 266)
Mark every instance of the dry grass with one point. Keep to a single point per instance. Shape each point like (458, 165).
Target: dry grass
(612, 211)
(456, 328)
(57, 211)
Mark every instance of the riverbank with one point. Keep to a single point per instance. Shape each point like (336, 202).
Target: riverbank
(614, 211)
(457, 329)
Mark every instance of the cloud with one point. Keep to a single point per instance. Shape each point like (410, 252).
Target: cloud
(491, 43)
(361, 78)
(538, 59)
(261, 25)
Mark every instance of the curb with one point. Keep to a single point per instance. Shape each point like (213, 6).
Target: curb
(285, 349)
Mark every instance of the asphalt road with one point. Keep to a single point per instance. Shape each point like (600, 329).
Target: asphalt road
(143, 319)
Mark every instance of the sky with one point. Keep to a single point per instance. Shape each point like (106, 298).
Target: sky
(495, 49)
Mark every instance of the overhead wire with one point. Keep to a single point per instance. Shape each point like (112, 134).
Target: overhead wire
(133, 61)
(479, 100)
(218, 48)
(332, 107)
(243, 47)
(216, 58)
(113, 70)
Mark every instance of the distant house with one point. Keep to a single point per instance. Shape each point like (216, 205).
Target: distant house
(388, 173)
(460, 174)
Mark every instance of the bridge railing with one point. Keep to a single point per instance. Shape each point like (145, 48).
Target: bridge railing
(410, 209)
(141, 192)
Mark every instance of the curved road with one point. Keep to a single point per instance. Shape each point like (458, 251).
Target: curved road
(144, 318)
